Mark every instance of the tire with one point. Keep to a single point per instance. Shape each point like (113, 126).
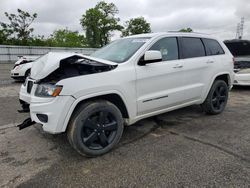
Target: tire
(216, 100)
(95, 128)
(27, 73)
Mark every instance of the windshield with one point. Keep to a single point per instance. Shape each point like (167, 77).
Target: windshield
(120, 50)
(239, 48)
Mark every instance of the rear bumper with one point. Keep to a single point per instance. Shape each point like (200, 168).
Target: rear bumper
(242, 79)
(17, 76)
(20, 70)
(17, 73)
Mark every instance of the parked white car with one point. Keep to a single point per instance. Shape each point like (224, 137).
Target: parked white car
(241, 51)
(93, 97)
(22, 67)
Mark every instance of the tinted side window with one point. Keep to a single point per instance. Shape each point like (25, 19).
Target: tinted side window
(212, 47)
(168, 48)
(192, 47)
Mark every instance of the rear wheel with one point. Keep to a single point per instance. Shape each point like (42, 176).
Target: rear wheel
(217, 98)
(95, 128)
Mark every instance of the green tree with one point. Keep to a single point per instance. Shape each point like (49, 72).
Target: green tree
(39, 40)
(90, 23)
(99, 22)
(189, 30)
(3, 37)
(19, 25)
(136, 26)
(66, 38)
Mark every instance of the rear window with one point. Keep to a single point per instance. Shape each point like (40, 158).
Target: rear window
(212, 47)
(192, 47)
(239, 48)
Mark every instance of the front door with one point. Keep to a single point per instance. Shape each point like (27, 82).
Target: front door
(160, 85)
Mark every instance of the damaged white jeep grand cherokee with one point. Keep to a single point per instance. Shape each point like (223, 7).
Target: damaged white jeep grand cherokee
(93, 97)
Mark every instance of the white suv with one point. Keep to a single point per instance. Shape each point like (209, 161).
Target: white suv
(93, 97)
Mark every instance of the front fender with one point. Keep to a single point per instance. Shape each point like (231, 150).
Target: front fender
(131, 110)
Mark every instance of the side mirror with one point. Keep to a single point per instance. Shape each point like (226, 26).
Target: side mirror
(150, 56)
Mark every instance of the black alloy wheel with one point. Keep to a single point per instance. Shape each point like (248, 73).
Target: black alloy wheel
(217, 98)
(99, 130)
(95, 128)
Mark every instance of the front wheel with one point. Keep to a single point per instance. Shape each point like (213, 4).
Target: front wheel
(217, 98)
(95, 128)
(27, 73)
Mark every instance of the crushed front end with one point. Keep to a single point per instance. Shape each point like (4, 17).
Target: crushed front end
(40, 95)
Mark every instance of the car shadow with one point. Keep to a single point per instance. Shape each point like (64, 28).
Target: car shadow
(132, 133)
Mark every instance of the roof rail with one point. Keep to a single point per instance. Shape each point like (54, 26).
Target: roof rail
(189, 32)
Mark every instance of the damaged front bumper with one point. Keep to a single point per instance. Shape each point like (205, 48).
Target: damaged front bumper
(51, 114)
(26, 123)
(25, 106)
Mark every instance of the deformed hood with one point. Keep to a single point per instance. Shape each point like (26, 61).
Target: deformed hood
(48, 63)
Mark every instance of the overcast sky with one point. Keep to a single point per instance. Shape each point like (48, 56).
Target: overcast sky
(218, 17)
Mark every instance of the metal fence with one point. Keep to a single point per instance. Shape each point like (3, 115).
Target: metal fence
(9, 54)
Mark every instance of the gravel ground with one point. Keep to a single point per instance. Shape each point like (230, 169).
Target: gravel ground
(183, 148)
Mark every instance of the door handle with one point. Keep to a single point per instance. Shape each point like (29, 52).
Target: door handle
(178, 66)
(210, 61)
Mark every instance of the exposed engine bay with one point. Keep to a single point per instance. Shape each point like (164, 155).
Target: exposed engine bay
(76, 66)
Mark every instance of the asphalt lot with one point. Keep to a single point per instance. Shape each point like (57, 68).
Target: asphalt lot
(184, 148)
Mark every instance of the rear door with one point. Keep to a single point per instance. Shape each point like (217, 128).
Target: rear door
(196, 67)
(216, 59)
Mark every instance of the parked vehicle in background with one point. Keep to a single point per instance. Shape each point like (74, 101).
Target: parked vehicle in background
(22, 67)
(93, 97)
(241, 51)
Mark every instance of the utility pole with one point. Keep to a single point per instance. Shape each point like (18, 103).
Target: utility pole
(240, 29)
(237, 31)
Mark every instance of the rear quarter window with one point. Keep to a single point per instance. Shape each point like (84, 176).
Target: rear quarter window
(213, 47)
(192, 47)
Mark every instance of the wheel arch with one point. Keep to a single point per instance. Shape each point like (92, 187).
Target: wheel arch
(225, 76)
(113, 97)
(27, 71)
